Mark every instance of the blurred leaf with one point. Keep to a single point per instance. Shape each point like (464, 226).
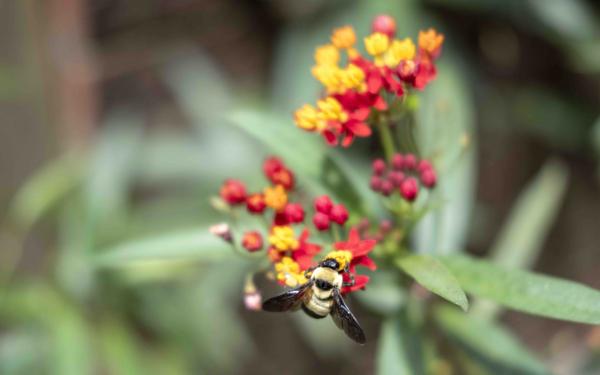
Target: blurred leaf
(571, 19)
(45, 189)
(446, 135)
(21, 352)
(384, 294)
(73, 269)
(526, 291)
(323, 336)
(111, 169)
(391, 351)
(399, 348)
(488, 342)
(120, 353)
(433, 275)
(190, 245)
(528, 224)
(200, 316)
(596, 143)
(304, 153)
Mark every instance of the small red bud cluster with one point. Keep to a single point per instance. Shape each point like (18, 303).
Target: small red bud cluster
(405, 174)
(327, 212)
(364, 228)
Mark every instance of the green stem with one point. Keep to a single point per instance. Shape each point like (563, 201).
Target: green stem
(387, 142)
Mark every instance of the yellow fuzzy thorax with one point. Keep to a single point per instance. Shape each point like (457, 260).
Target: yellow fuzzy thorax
(343, 257)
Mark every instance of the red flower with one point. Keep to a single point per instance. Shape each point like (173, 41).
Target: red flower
(355, 126)
(233, 192)
(323, 204)
(306, 251)
(276, 171)
(360, 250)
(294, 213)
(255, 203)
(252, 241)
(339, 214)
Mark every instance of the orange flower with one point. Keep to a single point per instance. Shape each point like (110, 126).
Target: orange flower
(276, 197)
(431, 41)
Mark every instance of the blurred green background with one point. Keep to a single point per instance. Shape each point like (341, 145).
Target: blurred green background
(119, 119)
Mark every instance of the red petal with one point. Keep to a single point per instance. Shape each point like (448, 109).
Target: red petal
(374, 83)
(361, 114)
(380, 104)
(330, 138)
(359, 129)
(366, 262)
(347, 141)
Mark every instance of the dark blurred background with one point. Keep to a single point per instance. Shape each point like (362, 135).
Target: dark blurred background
(69, 68)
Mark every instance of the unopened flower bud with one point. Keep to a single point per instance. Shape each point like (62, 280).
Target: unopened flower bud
(255, 203)
(252, 297)
(384, 24)
(410, 161)
(428, 178)
(398, 162)
(387, 187)
(323, 204)
(409, 189)
(378, 167)
(222, 230)
(339, 214)
(375, 183)
(407, 70)
(396, 178)
(321, 221)
(294, 213)
(252, 241)
(233, 192)
(272, 165)
(424, 165)
(385, 226)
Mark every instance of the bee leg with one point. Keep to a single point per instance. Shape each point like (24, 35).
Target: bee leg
(352, 281)
(308, 272)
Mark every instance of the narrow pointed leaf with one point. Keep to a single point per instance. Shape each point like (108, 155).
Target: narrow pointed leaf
(433, 275)
(526, 291)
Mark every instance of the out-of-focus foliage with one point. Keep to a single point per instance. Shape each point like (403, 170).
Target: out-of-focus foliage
(133, 283)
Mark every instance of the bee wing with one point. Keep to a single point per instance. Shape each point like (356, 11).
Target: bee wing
(290, 300)
(343, 318)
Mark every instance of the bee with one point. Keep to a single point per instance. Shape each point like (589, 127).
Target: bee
(321, 296)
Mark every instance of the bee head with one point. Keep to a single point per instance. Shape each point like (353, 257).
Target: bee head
(337, 260)
(330, 263)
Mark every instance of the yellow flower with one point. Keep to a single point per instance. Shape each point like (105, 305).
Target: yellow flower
(276, 197)
(343, 37)
(399, 50)
(289, 272)
(377, 43)
(331, 109)
(327, 55)
(330, 76)
(282, 238)
(430, 40)
(307, 118)
(353, 77)
(343, 257)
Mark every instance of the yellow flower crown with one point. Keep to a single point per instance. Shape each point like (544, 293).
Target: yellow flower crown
(343, 257)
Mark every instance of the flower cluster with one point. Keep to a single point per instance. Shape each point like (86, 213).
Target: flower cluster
(357, 85)
(405, 174)
(288, 245)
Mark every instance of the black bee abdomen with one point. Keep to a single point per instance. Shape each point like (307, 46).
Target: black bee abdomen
(323, 285)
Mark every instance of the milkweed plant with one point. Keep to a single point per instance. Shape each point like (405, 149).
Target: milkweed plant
(370, 88)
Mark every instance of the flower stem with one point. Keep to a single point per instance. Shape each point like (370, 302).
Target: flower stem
(387, 142)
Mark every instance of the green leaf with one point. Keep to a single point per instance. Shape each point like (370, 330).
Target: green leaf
(526, 291)
(392, 352)
(303, 152)
(489, 342)
(445, 134)
(120, 349)
(528, 224)
(400, 349)
(190, 245)
(433, 275)
(45, 189)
